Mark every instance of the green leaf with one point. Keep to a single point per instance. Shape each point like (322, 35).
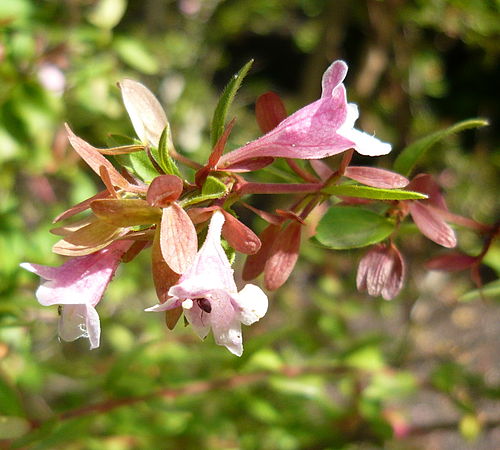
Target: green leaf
(351, 190)
(140, 164)
(212, 188)
(227, 97)
(164, 159)
(107, 13)
(409, 156)
(489, 290)
(344, 227)
(133, 53)
(9, 399)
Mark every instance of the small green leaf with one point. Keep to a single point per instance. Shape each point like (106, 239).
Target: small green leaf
(490, 290)
(140, 164)
(227, 97)
(107, 13)
(351, 190)
(409, 156)
(344, 227)
(133, 53)
(164, 159)
(212, 188)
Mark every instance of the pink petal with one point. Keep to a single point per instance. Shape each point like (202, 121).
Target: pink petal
(374, 177)
(332, 77)
(431, 225)
(374, 270)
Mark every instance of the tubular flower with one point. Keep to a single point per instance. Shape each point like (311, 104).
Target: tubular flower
(381, 271)
(78, 285)
(320, 129)
(209, 297)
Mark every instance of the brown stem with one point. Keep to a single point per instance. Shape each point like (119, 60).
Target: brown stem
(197, 387)
(461, 220)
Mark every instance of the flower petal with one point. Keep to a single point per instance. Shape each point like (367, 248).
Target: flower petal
(252, 303)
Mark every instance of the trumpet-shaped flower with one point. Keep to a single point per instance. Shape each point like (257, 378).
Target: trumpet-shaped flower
(320, 129)
(78, 285)
(209, 296)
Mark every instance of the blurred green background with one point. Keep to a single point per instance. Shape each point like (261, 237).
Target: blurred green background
(327, 367)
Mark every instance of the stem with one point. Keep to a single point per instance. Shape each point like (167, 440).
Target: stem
(306, 176)
(182, 159)
(279, 188)
(461, 220)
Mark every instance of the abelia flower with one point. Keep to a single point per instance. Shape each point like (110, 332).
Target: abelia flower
(209, 296)
(78, 285)
(320, 129)
(381, 271)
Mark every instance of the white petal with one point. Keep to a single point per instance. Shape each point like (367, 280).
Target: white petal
(171, 303)
(253, 304)
(230, 337)
(80, 321)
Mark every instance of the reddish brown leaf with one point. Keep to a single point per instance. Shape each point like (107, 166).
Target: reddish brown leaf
(432, 226)
(179, 242)
(94, 159)
(66, 230)
(282, 256)
(264, 215)
(88, 239)
(123, 150)
(106, 179)
(164, 190)
(172, 316)
(374, 177)
(427, 185)
(163, 276)
(254, 264)
(134, 250)
(451, 262)
(200, 215)
(239, 236)
(82, 206)
(126, 212)
(287, 214)
(249, 165)
(269, 111)
(220, 145)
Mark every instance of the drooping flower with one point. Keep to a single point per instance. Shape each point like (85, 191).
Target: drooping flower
(78, 285)
(320, 129)
(209, 296)
(381, 271)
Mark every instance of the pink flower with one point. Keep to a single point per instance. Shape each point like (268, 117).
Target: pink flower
(209, 297)
(320, 129)
(79, 285)
(381, 271)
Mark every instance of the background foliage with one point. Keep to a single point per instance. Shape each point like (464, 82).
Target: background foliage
(327, 367)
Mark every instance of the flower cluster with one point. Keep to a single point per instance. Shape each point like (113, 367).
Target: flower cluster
(169, 212)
